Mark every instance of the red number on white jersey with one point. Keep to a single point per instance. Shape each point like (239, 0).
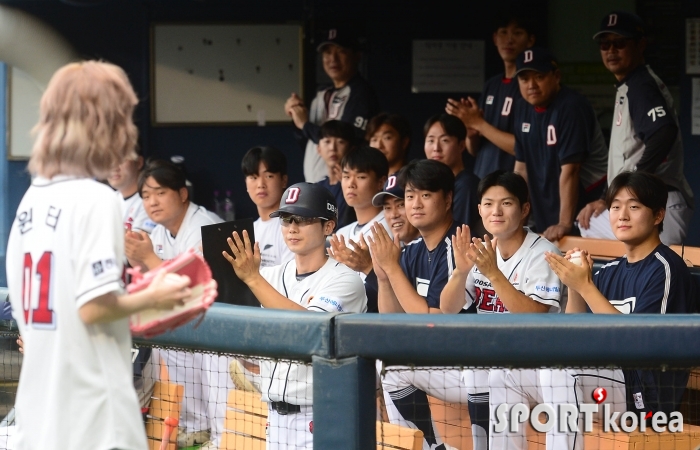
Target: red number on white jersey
(551, 135)
(292, 195)
(42, 316)
(507, 104)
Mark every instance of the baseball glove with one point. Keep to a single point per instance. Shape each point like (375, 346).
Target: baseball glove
(152, 322)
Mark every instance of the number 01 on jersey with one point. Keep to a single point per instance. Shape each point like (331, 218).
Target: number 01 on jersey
(38, 276)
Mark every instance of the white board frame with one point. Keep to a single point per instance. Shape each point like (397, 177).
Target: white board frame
(257, 78)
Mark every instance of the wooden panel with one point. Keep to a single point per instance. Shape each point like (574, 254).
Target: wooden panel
(247, 424)
(691, 255)
(169, 392)
(398, 437)
(598, 439)
(154, 429)
(694, 379)
(610, 249)
(161, 409)
(452, 423)
(232, 441)
(598, 248)
(155, 445)
(247, 401)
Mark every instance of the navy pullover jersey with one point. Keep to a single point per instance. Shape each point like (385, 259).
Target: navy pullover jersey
(429, 271)
(658, 284)
(565, 132)
(465, 209)
(497, 101)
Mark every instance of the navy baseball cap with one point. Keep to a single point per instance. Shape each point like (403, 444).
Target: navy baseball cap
(622, 23)
(391, 187)
(536, 58)
(308, 200)
(343, 37)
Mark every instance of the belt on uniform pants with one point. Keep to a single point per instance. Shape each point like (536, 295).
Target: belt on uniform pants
(284, 408)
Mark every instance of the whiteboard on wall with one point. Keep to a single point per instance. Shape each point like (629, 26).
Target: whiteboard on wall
(217, 74)
(24, 98)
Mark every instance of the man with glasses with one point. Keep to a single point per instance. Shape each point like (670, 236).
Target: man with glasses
(311, 281)
(645, 134)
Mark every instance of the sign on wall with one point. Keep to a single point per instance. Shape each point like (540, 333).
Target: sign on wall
(215, 74)
(448, 66)
(692, 46)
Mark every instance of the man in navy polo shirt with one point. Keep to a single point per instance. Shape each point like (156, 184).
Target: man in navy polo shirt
(490, 121)
(645, 135)
(411, 281)
(650, 279)
(559, 147)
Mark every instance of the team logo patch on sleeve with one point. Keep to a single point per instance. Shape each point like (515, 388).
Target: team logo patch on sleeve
(102, 266)
(97, 268)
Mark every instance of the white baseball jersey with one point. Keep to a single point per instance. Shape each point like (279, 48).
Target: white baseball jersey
(134, 214)
(332, 288)
(526, 270)
(190, 368)
(168, 247)
(353, 230)
(273, 249)
(66, 248)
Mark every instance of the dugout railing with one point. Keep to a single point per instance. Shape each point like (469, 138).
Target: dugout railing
(343, 349)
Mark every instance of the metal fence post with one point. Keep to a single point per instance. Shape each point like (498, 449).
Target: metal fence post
(345, 409)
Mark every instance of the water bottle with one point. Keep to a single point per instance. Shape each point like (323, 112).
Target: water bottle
(218, 206)
(229, 211)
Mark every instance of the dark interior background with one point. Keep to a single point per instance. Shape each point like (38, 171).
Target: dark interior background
(119, 31)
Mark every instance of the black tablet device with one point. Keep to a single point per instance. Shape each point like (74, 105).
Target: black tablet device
(231, 289)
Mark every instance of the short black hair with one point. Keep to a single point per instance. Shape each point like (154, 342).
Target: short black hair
(338, 129)
(649, 189)
(166, 174)
(451, 124)
(512, 182)
(516, 14)
(274, 161)
(427, 175)
(364, 158)
(396, 121)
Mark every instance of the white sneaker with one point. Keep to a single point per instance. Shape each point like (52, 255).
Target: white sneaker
(185, 439)
(209, 445)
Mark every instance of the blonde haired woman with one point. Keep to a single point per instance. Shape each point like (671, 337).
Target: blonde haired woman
(64, 267)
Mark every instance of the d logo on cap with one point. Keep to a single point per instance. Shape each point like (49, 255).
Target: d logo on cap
(332, 33)
(292, 195)
(391, 182)
(528, 56)
(612, 20)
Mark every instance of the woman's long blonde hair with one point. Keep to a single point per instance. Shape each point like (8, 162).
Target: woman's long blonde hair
(85, 123)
